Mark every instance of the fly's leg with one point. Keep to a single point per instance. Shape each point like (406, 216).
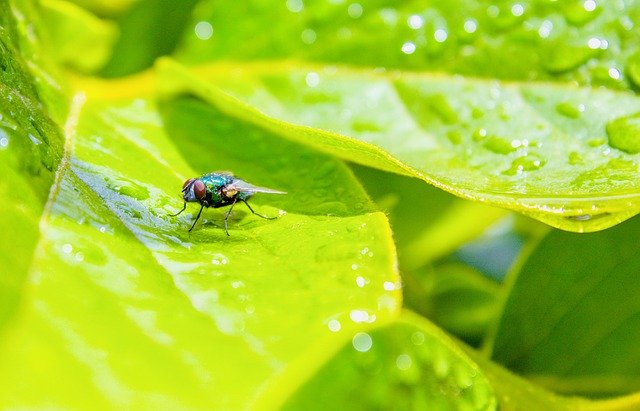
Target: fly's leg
(259, 215)
(197, 217)
(226, 216)
(183, 208)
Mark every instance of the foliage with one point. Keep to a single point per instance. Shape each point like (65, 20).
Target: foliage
(415, 141)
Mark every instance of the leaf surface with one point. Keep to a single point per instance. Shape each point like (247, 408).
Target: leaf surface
(571, 319)
(125, 309)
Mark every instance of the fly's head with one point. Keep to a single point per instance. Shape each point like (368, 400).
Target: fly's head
(194, 190)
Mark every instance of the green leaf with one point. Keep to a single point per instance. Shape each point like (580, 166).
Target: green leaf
(411, 364)
(508, 142)
(30, 148)
(81, 40)
(591, 43)
(571, 319)
(455, 297)
(406, 365)
(125, 308)
(148, 29)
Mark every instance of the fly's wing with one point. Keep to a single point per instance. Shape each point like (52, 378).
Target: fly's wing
(250, 189)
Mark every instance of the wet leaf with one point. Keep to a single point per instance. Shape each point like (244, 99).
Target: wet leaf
(81, 40)
(591, 42)
(30, 147)
(509, 142)
(189, 320)
(406, 365)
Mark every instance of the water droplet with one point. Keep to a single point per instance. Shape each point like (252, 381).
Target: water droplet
(624, 133)
(575, 158)
(389, 16)
(34, 139)
(517, 9)
(493, 11)
(308, 36)
(500, 145)
(403, 362)
(355, 10)
(67, 248)
(614, 73)
(440, 35)
(545, 28)
(389, 286)
(237, 284)
(408, 48)
(570, 110)
(204, 30)
(362, 342)
(295, 6)
(4, 140)
(589, 5)
(361, 316)
(417, 338)
(219, 259)
(354, 266)
(479, 134)
(582, 217)
(312, 79)
(596, 142)
(579, 13)
(134, 190)
(594, 43)
(470, 26)
(415, 21)
(529, 162)
(334, 325)
(633, 69)
(79, 256)
(361, 281)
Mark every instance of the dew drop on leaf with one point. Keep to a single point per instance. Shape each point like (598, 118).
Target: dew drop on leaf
(569, 110)
(633, 69)
(624, 133)
(529, 162)
(579, 13)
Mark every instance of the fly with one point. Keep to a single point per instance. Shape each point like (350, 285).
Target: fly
(220, 189)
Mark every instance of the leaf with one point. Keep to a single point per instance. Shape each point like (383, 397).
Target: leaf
(408, 364)
(508, 142)
(30, 150)
(455, 297)
(148, 29)
(571, 317)
(411, 364)
(125, 309)
(81, 40)
(593, 43)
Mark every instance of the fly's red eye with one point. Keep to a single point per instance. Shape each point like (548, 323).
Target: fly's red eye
(199, 190)
(186, 183)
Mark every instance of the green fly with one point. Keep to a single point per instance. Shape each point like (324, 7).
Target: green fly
(220, 189)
